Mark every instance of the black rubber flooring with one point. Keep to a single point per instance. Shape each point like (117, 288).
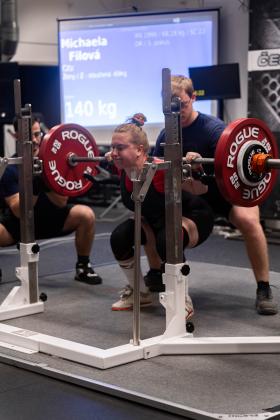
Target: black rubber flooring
(26, 395)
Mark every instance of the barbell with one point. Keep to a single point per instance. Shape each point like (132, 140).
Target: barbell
(244, 161)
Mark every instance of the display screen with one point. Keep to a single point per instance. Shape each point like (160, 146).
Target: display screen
(216, 82)
(111, 66)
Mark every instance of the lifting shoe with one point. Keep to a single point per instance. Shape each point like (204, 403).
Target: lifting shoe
(265, 304)
(125, 303)
(189, 311)
(86, 274)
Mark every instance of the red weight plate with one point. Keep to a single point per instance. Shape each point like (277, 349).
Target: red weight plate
(235, 135)
(58, 144)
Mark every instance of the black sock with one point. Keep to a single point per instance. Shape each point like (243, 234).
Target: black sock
(263, 285)
(83, 260)
(155, 270)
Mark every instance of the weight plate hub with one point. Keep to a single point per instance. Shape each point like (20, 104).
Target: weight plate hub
(244, 163)
(61, 142)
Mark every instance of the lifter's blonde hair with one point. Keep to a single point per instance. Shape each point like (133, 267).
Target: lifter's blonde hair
(179, 83)
(138, 136)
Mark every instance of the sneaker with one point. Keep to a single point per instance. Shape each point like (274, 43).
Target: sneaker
(265, 303)
(189, 311)
(86, 274)
(126, 300)
(153, 280)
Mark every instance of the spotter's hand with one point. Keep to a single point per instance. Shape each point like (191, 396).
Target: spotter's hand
(191, 156)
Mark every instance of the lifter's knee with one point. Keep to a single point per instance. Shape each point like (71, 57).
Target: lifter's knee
(203, 222)
(80, 216)
(122, 240)
(87, 215)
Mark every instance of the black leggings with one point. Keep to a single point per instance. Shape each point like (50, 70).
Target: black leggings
(49, 219)
(122, 240)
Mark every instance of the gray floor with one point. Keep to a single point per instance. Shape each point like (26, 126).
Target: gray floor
(25, 395)
(223, 291)
(224, 306)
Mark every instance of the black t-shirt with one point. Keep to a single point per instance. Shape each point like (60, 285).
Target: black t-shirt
(202, 137)
(9, 182)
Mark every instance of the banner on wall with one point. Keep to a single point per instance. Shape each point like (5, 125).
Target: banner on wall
(262, 60)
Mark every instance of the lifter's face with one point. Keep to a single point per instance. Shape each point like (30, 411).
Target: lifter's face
(36, 137)
(124, 153)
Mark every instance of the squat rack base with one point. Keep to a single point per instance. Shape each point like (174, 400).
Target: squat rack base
(14, 311)
(151, 347)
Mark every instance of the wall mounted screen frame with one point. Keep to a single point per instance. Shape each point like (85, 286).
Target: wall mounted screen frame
(110, 66)
(216, 82)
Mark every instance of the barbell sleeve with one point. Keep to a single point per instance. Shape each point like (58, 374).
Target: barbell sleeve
(264, 162)
(272, 163)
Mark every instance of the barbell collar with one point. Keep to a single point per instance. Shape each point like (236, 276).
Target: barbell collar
(262, 163)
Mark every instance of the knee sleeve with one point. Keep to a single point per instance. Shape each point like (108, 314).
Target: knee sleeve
(122, 240)
(161, 242)
(204, 220)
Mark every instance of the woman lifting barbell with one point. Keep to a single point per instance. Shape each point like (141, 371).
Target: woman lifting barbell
(129, 150)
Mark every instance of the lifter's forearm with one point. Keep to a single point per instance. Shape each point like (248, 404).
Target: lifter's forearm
(14, 205)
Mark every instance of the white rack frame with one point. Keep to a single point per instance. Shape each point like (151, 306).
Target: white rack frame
(175, 339)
